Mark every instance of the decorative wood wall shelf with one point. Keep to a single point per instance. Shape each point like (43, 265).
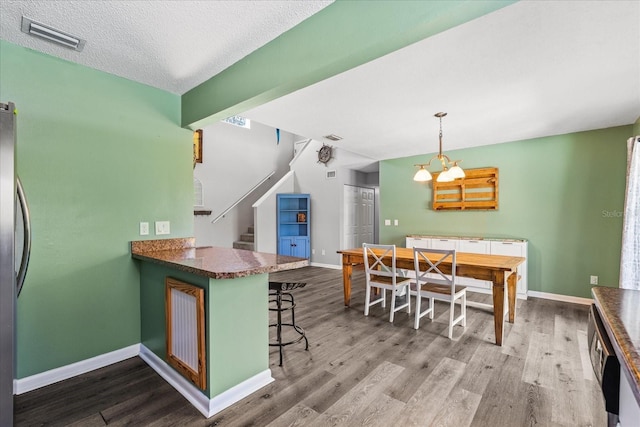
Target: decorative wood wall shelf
(478, 190)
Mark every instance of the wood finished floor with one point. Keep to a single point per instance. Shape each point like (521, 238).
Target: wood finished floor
(366, 371)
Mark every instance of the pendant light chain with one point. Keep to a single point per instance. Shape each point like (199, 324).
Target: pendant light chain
(440, 136)
(450, 168)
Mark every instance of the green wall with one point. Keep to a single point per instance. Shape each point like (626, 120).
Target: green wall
(564, 194)
(341, 36)
(636, 127)
(238, 328)
(96, 154)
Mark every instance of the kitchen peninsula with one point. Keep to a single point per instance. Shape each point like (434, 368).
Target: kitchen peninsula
(236, 333)
(618, 309)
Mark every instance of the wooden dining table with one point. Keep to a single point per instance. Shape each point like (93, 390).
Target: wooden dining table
(501, 270)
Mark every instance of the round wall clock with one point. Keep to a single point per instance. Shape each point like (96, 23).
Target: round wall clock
(324, 154)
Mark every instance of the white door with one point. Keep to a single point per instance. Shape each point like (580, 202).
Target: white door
(366, 215)
(358, 216)
(350, 217)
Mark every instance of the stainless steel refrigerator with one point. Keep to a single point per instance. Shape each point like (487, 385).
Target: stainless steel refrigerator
(15, 245)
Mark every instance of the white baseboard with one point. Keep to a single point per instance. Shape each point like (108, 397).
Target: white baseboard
(490, 292)
(207, 407)
(563, 298)
(46, 378)
(331, 266)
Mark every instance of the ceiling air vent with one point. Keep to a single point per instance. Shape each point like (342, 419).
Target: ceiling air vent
(333, 137)
(331, 174)
(34, 28)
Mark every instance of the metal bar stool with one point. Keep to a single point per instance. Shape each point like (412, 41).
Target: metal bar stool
(278, 293)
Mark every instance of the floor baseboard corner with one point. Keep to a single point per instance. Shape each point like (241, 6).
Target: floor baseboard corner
(207, 407)
(33, 382)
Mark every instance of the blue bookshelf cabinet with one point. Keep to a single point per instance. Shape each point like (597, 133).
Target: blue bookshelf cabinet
(293, 214)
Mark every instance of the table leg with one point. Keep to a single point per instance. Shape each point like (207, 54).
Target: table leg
(346, 279)
(512, 282)
(498, 304)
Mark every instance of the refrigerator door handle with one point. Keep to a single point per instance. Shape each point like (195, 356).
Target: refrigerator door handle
(26, 245)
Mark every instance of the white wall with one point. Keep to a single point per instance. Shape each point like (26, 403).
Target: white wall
(234, 160)
(327, 197)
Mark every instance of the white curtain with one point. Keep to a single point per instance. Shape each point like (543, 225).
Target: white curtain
(630, 256)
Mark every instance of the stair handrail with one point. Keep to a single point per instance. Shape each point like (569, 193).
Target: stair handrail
(306, 144)
(244, 196)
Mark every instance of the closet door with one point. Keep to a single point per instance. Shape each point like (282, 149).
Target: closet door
(358, 216)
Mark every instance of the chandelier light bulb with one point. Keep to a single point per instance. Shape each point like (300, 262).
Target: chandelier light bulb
(422, 175)
(445, 176)
(456, 171)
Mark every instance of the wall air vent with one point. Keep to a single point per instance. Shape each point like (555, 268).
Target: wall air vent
(198, 194)
(331, 174)
(333, 137)
(34, 28)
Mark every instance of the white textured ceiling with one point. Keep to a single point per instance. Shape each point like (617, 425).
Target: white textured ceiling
(531, 69)
(171, 45)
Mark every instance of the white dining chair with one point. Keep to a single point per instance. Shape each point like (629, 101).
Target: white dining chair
(433, 284)
(380, 273)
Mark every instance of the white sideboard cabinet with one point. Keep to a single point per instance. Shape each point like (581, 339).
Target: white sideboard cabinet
(478, 246)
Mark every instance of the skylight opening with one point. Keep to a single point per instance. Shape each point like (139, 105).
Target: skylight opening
(239, 121)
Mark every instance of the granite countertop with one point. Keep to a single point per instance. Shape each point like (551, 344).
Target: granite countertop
(430, 236)
(213, 262)
(618, 309)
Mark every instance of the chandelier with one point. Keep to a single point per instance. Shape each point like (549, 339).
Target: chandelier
(450, 168)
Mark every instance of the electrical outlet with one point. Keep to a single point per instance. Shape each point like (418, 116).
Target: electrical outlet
(163, 227)
(323, 252)
(144, 228)
(313, 251)
(593, 280)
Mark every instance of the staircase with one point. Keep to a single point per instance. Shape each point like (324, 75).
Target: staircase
(246, 241)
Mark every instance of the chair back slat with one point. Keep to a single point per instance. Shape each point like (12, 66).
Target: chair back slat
(382, 263)
(433, 273)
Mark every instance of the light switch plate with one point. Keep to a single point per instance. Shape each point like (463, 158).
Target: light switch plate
(387, 222)
(163, 227)
(593, 280)
(144, 228)
(395, 222)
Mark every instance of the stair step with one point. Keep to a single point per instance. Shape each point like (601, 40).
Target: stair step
(247, 237)
(251, 230)
(249, 246)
